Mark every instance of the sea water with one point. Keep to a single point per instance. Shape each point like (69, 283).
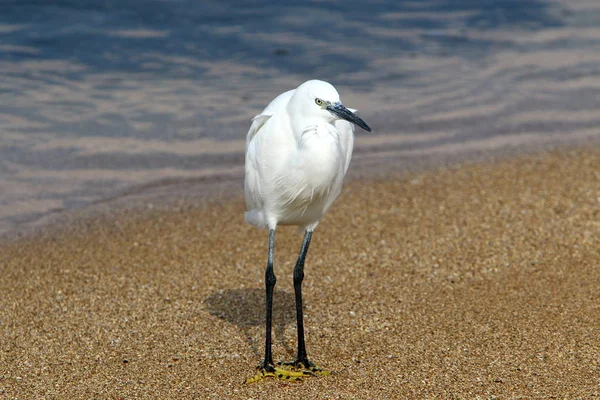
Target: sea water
(101, 99)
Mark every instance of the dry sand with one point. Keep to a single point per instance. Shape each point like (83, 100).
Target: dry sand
(470, 282)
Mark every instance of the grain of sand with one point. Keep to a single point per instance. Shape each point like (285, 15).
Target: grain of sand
(474, 281)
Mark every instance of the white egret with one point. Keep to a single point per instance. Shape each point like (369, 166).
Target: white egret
(297, 154)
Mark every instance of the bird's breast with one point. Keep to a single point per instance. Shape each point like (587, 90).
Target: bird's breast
(308, 178)
(316, 168)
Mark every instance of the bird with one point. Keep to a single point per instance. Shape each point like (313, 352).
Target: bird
(298, 150)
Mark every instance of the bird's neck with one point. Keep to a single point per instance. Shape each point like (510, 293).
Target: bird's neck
(304, 127)
(302, 122)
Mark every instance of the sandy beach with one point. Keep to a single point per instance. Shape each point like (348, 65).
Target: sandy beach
(473, 281)
(460, 261)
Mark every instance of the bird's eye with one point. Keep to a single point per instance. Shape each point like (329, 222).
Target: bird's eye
(319, 102)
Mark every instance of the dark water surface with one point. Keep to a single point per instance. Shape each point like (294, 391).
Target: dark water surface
(98, 97)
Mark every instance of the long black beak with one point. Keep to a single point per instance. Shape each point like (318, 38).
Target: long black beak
(342, 112)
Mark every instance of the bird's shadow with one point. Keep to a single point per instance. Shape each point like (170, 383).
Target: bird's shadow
(246, 309)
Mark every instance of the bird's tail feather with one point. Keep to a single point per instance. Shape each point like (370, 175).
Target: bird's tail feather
(256, 218)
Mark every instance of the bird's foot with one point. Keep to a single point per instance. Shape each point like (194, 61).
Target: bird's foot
(306, 367)
(268, 370)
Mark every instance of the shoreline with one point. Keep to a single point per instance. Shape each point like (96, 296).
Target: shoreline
(367, 163)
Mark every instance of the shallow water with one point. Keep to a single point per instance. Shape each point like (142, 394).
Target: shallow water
(102, 96)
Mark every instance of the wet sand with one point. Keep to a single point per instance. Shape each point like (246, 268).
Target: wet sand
(467, 282)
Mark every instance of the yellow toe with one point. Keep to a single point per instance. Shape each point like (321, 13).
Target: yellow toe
(307, 368)
(276, 372)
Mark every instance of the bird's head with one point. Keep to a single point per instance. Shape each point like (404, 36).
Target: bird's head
(319, 99)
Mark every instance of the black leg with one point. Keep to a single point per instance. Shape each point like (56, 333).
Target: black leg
(298, 278)
(267, 368)
(302, 367)
(270, 281)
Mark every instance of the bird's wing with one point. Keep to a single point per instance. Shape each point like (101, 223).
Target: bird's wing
(258, 121)
(252, 179)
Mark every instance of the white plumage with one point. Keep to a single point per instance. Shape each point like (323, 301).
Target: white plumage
(297, 154)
